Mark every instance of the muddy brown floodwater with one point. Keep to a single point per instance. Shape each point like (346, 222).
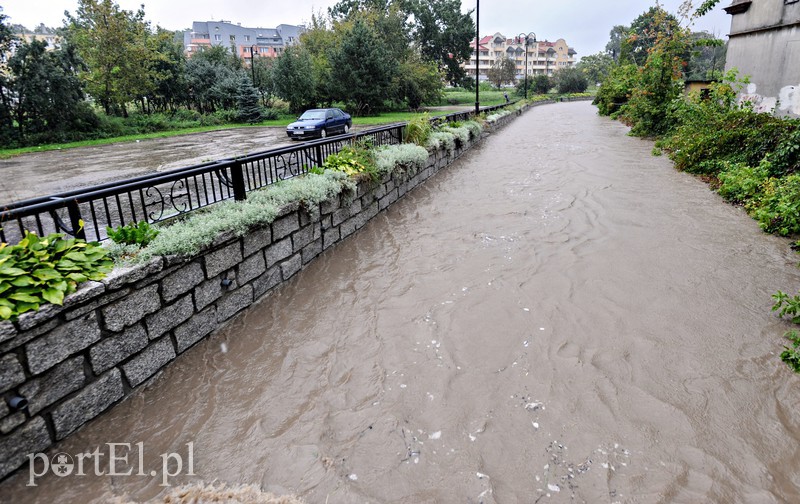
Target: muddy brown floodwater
(554, 318)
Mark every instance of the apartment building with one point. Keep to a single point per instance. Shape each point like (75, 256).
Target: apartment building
(267, 42)
(544, 57)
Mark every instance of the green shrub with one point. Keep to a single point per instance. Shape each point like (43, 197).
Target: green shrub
(37, 271)
(461, 134)
(139, 234)
(199, 230)
(352, 160)
(791, 355)
(475, 129)
(398, 157)
(616, 89)
(740, 183)
(440, 139)
(777, 210)
(418, 130)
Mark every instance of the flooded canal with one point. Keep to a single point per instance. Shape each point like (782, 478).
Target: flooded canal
(558, 317)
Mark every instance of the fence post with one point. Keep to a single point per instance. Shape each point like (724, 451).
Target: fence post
(75, 219)
(319, 155)
(237, 178)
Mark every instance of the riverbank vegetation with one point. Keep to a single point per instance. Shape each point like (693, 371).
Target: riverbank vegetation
(751, 159)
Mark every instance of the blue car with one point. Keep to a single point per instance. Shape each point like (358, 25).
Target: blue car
(319, 123)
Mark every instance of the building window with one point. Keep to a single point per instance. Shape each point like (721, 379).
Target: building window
(247, 38)
(233, 38)
(217, 37)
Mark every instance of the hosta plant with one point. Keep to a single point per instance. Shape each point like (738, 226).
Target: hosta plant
(37, 271)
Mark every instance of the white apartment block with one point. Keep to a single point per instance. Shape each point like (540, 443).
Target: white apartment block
(544, 57)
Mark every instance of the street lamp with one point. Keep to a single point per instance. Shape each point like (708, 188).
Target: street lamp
(253, 62)
(526, 57)
(477, 57)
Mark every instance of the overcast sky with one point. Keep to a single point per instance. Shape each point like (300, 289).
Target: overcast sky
(584, 24)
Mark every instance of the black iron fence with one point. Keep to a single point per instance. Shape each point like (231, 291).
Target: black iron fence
(86, 213)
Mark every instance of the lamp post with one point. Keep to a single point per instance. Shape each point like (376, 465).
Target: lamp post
(526, 57)
(477, 57)
(253, 62)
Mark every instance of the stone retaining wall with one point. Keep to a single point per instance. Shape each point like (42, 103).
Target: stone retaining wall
(73, 362)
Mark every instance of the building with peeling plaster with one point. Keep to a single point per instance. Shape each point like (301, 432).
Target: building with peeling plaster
(765, 45)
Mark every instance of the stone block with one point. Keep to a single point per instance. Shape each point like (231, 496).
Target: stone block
(288, 208)
(182, 281)
(88, 403)
(279, 251)
(63, 341)
(195, 329)
(340, 216)
(267, 281)
(329, 205)
(257, 240)
(121, 276)
(329, 237)
(302, 238)
(115, 349)
(285, 226)
(11, 372)
(250, 268)
(86, 291)
(292, 266)
(355, 206)
(7, 331)
(64, 379)
(149, 361)
(311, 251)
(32, 319)
(223, 259)
(132, 308)
(234, 302)
(14, 449)
(10, 423)
(102, 300)
(169, 317)
(347, 228)
(209, 291)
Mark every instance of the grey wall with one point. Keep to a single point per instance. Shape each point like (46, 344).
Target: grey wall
(765, 44)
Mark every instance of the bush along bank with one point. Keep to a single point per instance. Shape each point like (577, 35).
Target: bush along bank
(75, 357)
(751, 159)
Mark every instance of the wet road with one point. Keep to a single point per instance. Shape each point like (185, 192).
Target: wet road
(558, 318)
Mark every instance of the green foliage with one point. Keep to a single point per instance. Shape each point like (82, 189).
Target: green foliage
(595, 67)
(362, 69)
(541, 84)
(474, 127)
(460, 133)
(791, 355)
(441, 139)
(294, 80)
(418, 130)
(503, 71)
(199, 230)
(404, 157)
(418, 82)
(778, 207)
(741, 183)
(140, 234)
(616, 89)
(787, 305)
(249, 110)
(570, 80)
(353, 160)
(37, 271)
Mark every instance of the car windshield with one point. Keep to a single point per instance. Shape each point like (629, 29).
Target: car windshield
(311, 115)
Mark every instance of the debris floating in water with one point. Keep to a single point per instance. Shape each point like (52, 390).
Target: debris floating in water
(481, 475)
(353, 477)
(223, 348)
(435, 435)
(535, 425)
(553, 488)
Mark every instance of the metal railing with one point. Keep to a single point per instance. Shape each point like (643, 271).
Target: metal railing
(86, 213)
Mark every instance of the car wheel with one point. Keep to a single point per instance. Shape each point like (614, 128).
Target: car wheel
(346, 129)
(323, 133)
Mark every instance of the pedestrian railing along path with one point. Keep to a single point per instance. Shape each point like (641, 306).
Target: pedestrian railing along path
(87, 213)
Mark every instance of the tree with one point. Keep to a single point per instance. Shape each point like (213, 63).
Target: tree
(595, 67)
(617, 36)
(294, 78)
(419, 82)
(443, 34)
(503, 71)
(6, 98)
(541, 84)
(707, 59)
(117, 48)
(247, 100)
(570, 80)
(361, 69)
(646, 30)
